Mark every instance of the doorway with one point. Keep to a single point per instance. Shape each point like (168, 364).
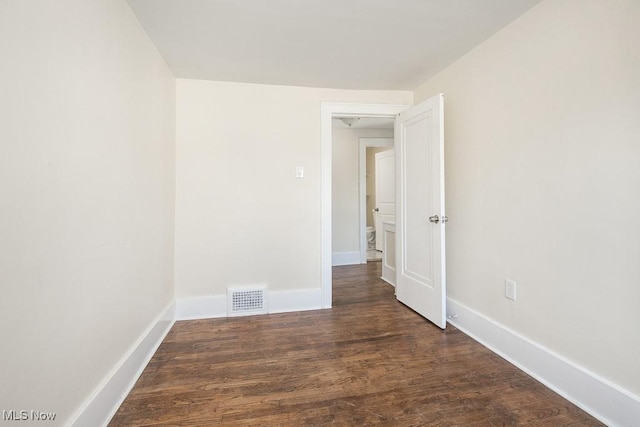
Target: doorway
(371, 178)
(420, 242)
(328, 112)
(354, 143)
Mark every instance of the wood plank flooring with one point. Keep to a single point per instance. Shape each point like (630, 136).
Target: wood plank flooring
(368, 361)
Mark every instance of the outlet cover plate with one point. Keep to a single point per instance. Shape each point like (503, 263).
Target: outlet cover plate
(510, 289)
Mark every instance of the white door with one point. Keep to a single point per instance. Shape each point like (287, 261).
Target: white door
(385, 209)
(420, 230)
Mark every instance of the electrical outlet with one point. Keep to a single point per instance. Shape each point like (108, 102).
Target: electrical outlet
(510, 289)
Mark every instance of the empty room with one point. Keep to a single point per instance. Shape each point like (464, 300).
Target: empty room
(190, 234)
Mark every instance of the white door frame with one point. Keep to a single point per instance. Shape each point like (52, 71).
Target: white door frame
(364, 143)
(328, 110)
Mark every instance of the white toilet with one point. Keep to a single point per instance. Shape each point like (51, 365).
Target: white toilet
(371, 237)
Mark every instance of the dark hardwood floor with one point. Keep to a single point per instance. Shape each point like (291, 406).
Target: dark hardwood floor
(368, 361)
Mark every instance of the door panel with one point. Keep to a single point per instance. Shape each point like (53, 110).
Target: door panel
(416, 194)
(420, 187)
(385, 191)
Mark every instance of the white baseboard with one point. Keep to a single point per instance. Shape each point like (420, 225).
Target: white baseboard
(345, 258)
(388, 281)
(295, 300)
(211, 306)
(105, 400)
(204, 307)
(602, 399)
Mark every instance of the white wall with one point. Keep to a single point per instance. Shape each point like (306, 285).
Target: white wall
(87, 113)
(345, 188)
(542, 146)
(241, 215)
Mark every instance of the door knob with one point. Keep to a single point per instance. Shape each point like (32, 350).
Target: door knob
(376, 210)
(435, 219)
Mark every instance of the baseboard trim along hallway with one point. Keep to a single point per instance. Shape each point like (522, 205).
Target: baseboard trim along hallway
(345, 258)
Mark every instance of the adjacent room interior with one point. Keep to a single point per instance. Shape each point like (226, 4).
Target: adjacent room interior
(160, 157)
(355, 141)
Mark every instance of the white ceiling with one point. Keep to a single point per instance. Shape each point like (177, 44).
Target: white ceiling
(347, 44)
